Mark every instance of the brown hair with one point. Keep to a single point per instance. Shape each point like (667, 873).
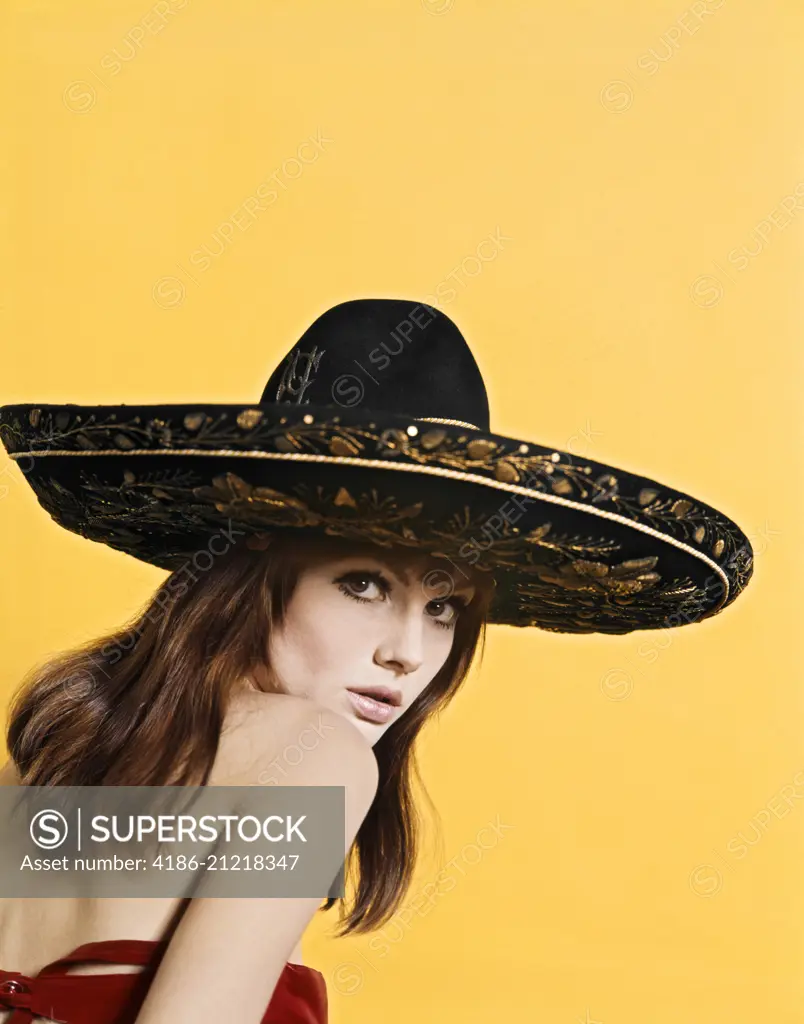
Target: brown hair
(145, 705)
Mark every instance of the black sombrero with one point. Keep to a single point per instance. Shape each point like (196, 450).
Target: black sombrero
(376, 427)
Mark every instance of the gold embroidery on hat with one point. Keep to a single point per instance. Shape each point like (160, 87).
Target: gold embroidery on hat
(561, 582)
(422, 469)
(293, 381)
(539, 475)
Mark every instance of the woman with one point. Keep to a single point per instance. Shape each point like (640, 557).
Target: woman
(351, 532)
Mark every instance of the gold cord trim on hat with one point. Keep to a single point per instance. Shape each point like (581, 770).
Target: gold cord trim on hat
(449, 423)
(451, 474)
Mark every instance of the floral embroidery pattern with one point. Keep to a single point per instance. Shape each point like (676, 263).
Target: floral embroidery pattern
(559, 583)
(562, 582)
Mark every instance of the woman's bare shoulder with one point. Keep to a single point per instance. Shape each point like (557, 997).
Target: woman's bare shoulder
(248, 941)
(281, 739)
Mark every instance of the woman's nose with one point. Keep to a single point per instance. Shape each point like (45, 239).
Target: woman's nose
(401, 648)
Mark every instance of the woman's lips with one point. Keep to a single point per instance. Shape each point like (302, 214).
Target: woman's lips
(370, 709)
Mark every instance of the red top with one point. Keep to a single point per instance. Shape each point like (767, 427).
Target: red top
(300, 996)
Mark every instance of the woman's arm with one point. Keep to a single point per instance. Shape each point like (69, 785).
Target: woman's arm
(226, 955)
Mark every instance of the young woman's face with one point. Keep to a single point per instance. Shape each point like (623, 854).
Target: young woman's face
(359, 620)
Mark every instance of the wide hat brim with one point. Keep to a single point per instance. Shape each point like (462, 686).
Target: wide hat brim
(574, 546)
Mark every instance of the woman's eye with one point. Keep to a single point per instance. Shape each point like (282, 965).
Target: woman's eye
(370, 586)
(362, 586)
(444, 613)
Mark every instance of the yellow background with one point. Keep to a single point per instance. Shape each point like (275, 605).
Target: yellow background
(631, 152)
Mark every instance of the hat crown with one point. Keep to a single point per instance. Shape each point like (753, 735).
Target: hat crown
(391, 355)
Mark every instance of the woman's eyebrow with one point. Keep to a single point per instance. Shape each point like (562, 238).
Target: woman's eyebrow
(381, 563)
(459, 586)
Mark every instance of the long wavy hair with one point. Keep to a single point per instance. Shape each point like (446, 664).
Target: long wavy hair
(145, 705)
